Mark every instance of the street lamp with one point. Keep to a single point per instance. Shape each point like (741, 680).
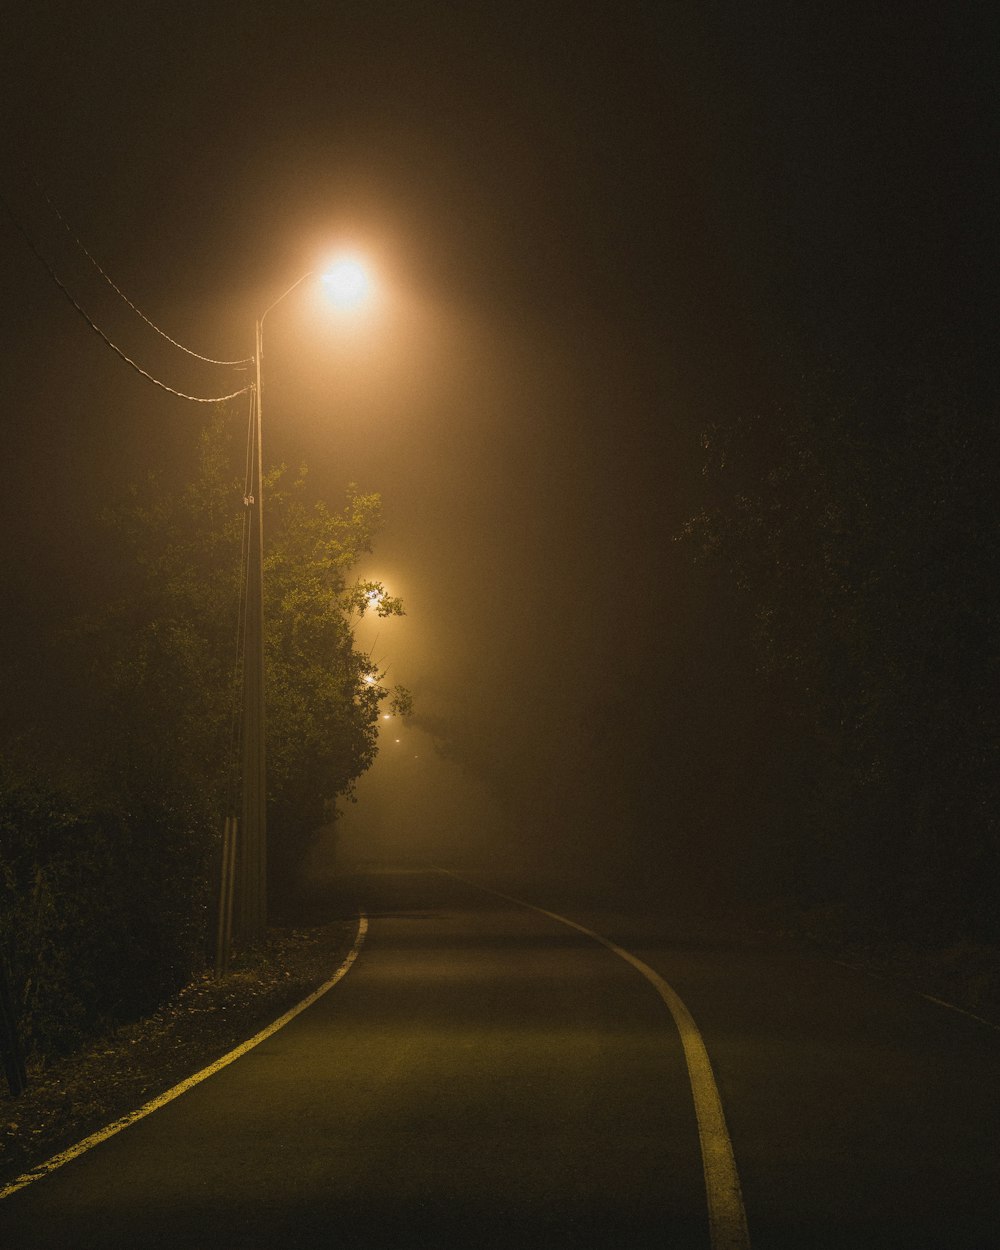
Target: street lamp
(348, 284)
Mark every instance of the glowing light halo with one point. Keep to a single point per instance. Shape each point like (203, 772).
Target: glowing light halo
(347, 281)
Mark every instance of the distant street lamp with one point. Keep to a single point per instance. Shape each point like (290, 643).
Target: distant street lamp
(348, 285)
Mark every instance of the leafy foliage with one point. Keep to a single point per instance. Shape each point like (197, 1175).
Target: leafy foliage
(177, 650)
(92, 927)
(323, 695)
(863, 537)
(107, 882)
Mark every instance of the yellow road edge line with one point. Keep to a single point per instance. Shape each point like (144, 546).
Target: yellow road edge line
(727, 1220)
(154, 1104)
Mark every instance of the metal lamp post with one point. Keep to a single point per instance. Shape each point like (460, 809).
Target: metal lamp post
(251, 859)
(348, 285)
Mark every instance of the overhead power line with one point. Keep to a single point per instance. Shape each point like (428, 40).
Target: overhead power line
(197, 399)
(118, 291)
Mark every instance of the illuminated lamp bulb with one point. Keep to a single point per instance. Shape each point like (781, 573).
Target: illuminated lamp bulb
(347, 282)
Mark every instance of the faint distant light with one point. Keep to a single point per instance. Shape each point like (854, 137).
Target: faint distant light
(368, 679)
(374, 598)
(386, 716)
(397, 739)
(347, 282)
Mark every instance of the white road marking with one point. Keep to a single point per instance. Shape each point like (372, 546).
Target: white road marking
(727, 1221)
(50, 1165)
(939, 1002)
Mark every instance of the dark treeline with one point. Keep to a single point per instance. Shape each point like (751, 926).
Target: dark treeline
(828, 727)
(862, 532)
(120, 759)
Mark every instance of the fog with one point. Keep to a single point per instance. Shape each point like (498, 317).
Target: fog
(595, 236)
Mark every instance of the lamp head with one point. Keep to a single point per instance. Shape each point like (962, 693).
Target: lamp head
(347, 282)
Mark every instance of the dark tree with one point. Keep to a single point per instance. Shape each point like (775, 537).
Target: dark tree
(861, 530)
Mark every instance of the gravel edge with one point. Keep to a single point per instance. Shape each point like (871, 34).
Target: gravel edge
(70, 1098)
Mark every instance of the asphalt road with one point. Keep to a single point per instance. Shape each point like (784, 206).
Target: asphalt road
(486, 1076)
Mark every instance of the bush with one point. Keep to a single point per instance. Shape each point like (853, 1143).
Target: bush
(99, 919)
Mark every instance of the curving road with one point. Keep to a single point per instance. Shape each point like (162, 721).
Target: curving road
(486, 1075)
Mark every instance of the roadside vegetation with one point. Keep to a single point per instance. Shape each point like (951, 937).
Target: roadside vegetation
(859, 535)
(819, 737)
(121, 1068)
(112, 805)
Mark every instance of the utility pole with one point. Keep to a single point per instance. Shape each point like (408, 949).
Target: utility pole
(251, 877)
(348, 285)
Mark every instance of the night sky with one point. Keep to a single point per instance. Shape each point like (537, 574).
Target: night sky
(596, 229)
